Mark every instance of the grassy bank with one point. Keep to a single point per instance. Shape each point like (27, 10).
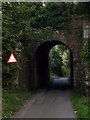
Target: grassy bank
(13, 101)
(80, 104)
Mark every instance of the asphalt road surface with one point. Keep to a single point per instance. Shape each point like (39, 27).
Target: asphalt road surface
(52, 103)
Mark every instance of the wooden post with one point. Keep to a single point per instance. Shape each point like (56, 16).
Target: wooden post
(12, 81)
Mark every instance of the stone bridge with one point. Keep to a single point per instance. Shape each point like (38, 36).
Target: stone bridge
(35, 69)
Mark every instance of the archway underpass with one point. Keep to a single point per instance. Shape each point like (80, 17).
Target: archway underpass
(35, 69)
(42, 64)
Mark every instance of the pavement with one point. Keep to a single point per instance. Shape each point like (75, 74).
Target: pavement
(52, 103)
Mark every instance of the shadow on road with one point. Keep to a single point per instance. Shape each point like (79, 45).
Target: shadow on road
(50, 103)
(61, 83)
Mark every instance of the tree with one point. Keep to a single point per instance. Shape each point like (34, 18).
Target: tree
(60, 60)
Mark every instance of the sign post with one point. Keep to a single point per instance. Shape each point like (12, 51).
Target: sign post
(12, 60)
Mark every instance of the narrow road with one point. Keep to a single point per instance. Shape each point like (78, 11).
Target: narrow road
(52, 103)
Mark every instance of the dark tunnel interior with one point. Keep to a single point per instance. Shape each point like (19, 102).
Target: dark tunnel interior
(42, 63)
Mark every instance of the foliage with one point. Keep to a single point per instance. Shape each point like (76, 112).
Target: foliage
(78, 8)
(51, 77)
(80, 104)
(10, 39)
(55, 61)
(82, 8)
(84, 53)
(60, 61)
(85, 58)
(13, 101)
(51, 15)
(23, 22)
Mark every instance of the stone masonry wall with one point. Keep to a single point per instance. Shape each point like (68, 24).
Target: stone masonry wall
(72, 36)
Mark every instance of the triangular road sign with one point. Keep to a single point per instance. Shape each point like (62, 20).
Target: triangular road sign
(12, 58)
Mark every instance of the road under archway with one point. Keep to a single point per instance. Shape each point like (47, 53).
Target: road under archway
(42, 63)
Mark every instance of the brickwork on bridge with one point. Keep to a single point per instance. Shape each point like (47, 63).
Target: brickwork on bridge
(71, 35)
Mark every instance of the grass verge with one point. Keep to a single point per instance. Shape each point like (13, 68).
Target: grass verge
(80, 104)
(13, 100)
(51, 77)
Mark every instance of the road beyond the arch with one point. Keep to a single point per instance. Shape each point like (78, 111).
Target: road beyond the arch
(52, 103)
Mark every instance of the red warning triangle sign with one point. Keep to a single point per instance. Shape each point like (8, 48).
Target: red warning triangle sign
(12, 58)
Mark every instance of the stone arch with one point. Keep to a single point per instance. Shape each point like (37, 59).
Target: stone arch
(42, 62)
(71, 34)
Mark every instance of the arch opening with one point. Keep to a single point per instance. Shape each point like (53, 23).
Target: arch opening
(42, 63)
